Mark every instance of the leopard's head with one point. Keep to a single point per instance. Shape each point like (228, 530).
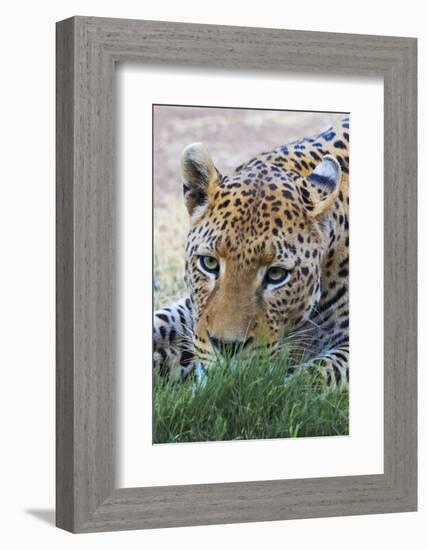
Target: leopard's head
(254, 249)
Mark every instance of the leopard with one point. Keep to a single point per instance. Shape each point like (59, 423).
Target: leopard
(266, 258)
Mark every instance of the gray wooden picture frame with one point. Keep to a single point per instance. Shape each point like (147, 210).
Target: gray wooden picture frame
(87, 51)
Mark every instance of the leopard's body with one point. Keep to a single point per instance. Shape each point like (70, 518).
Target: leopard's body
(266, 257)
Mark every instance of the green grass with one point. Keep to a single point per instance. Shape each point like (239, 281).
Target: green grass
(253, 399)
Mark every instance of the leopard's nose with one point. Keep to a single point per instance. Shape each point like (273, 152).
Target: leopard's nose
(229, 348)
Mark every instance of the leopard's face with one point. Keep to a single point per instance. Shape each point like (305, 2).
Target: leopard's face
(254, 251)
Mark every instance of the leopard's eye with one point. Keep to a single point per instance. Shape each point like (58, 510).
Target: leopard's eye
(276, 276)
(209, 265)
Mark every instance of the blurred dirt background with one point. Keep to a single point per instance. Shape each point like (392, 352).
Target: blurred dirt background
(232, 137)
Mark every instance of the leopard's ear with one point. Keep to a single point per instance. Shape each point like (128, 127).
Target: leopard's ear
(200, 177)
(319, 190)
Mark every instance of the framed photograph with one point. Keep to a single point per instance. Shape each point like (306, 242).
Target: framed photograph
(236, 274)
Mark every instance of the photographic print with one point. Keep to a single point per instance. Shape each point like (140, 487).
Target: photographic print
(251, 274)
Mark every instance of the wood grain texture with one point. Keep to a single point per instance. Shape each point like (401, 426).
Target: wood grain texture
(64, 277)
(87, 50)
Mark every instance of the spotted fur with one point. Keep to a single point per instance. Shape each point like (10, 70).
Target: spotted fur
(288, 208)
